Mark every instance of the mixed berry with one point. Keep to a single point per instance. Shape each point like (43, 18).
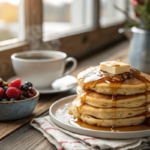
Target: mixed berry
(15, 90)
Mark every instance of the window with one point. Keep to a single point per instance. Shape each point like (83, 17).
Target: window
(62, 16)
(109, 15)
(11, 21)
(8, 20)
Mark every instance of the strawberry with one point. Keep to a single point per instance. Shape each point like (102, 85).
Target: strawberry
(2, 94)
(13, 92)
(16, 83)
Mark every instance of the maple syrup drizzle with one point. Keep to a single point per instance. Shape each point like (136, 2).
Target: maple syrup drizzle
(103, 77)
(83, 96)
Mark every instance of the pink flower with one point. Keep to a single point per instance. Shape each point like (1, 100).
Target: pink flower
(134, 2)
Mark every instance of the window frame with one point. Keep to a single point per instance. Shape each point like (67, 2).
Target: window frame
(76, 44)
(77, 20)
(117, 19)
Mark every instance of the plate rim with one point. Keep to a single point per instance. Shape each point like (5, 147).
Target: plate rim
(54, 120)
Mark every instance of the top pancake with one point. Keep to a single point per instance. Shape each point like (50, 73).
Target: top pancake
(131, 83)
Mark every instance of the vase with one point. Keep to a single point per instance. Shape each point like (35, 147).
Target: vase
(139, 51)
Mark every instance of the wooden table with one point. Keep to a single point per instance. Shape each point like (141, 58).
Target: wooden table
(19, 135)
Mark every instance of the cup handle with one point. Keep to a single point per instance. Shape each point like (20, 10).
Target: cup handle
(70, 59)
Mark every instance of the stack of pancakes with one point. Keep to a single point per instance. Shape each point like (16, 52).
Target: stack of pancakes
(112, 100)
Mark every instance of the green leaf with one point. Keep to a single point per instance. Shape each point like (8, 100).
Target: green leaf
(131, 24)
(141, 10)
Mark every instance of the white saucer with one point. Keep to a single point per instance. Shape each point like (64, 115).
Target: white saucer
(60, 85)
(59, 115)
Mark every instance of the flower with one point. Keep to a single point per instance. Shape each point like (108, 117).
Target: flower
(142, 12)
(134, 2)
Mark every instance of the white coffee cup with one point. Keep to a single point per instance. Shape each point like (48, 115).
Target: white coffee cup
(41, 67)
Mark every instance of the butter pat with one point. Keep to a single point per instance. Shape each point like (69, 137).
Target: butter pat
(114, 67)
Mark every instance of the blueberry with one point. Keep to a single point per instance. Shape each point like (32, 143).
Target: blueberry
(4, 100)
(12, 100)
(25, 87)
(29, 84)
(5, 88)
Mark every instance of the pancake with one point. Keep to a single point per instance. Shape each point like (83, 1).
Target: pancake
(111, 113)
(105, 113)
(113, 123)
(100, 100)
(131, 83)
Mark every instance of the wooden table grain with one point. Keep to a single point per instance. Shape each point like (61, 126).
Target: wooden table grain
(25, 137)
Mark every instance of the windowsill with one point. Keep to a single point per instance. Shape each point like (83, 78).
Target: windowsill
(66, 30)
(108, 22)
(9, 44)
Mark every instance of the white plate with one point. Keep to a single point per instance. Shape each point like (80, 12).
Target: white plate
(60, 85)
(60, 120)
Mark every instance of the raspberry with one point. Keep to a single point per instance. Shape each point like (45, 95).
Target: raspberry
(13, 92)
(32, 90)
(30, 95)
(2, 94)
(24, 93)
(16, 83)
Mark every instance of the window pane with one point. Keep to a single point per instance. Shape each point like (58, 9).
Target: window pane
(63, 15)
(9, 24)
(109, 15)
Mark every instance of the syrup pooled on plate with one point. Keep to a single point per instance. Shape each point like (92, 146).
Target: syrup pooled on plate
(79, 123)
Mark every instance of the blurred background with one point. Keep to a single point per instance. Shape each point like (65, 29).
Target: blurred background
(59, 16)
(76, 27)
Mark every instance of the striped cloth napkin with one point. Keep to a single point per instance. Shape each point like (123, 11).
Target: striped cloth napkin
(66, 140)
